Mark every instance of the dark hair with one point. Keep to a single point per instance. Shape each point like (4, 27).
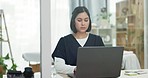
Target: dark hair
(76, 11)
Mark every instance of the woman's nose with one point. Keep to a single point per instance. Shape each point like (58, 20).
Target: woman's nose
(83, 23)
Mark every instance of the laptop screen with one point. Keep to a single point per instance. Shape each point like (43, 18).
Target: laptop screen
(98, 62)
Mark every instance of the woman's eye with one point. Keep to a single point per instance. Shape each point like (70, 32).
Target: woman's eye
(79, 20)
(86, 20)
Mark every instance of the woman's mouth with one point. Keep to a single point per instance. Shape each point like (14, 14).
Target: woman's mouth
(83, 28)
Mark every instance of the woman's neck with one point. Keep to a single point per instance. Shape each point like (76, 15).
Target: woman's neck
(80, 35)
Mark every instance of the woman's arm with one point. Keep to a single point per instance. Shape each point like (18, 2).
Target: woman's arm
(61, 67)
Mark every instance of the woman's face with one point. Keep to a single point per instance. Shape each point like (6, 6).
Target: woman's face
(82, 22)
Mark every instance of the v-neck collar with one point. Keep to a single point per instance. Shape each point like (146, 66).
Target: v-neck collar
(75, 40)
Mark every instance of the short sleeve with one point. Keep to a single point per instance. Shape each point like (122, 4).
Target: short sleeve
(60, 49)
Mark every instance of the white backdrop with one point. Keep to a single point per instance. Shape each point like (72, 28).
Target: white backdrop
(23, 23)
(60, 23)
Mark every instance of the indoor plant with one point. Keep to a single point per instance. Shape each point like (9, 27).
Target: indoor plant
(104, 14)
(4, 66)
(104, 18)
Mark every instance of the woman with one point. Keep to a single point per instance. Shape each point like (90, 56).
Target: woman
(65, 53)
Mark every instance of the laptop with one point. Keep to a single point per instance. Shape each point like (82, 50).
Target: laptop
(99, 62)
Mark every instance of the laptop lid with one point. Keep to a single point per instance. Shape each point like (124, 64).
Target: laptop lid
(99, 62)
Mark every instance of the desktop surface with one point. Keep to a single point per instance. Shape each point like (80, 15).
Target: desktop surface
(122, 74)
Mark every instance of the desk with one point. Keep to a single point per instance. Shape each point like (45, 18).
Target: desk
(145, 75)
(122, 75)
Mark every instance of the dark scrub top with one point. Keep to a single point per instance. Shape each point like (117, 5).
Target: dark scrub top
(67, 47)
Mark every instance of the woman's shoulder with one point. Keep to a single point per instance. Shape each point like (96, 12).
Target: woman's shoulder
(67, 36)
(93, 35)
